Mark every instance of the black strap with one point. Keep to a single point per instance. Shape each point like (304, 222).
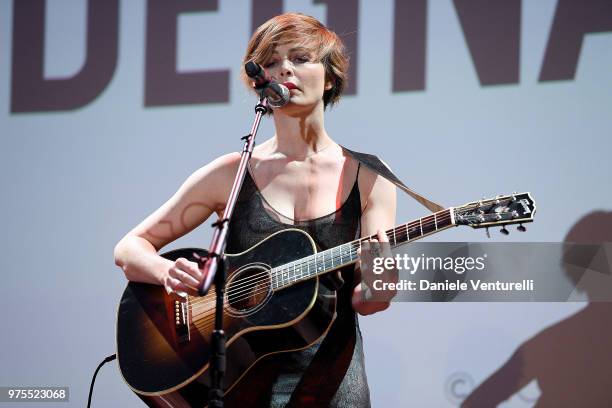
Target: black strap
(319, 384)
(377, 166)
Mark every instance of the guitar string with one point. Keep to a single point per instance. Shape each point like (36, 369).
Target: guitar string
(209, 317)
(247, 282)
(207, 320)
(238, 283)
(403, 228)
(258, 278)
(207, 302)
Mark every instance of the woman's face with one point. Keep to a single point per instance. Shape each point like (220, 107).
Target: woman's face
(295, 67)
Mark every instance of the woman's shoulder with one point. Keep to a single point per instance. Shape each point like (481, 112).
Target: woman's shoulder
(214, 180)
(368, 178)
(221, 167)
(374, 188)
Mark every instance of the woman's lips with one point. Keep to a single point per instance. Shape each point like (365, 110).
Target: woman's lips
(290, 85)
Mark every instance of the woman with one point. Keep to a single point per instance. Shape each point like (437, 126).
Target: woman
(299, 178)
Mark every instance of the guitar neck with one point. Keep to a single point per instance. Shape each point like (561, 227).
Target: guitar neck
(346, 254)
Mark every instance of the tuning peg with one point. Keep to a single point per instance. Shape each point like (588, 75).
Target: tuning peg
(504, 231)
(521, 228)
(488, 235)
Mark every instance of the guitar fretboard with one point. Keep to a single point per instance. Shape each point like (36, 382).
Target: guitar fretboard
(346, 254)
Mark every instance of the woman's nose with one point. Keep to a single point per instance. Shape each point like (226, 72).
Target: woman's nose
(286, 68)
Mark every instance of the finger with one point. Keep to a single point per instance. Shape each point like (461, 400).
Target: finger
(386, 247)
(358, 263)
(374, 247)
(382, 236)
(183, 276)
(181, 262)
(190, 267)
(178, 286)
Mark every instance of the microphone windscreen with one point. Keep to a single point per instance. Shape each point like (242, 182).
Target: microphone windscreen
(253, 70)
(278, 94)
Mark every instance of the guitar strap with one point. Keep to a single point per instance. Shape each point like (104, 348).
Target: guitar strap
(315, 389)
(379, 167)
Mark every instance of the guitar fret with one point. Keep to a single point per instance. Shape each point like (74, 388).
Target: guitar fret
(298, 270)
(325, 256)
(426, 224)
(346, 251)
(403, 233)
(320, 264)
(414, 230)
(446, 220)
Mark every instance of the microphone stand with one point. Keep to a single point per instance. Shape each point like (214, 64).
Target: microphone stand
(214, 265)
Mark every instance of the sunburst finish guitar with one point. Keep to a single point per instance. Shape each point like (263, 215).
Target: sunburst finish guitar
(272, 304)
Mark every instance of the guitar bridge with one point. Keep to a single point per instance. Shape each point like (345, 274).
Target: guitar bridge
(181, 318)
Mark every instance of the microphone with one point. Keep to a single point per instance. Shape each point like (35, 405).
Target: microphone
(277, 94)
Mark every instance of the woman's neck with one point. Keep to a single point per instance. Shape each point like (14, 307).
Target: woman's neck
(300, 137)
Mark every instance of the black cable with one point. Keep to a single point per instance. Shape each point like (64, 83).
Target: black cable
(93, 379)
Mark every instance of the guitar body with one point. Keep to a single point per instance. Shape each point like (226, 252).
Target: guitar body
(163, 341)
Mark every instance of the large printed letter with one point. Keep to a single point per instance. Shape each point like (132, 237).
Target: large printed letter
(263, 10)
(492, 30)
(30, 91)
(409, 42)
(343, 18)
(573, 19)
(163, 84)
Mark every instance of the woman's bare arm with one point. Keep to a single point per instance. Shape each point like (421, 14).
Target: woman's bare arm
(203, 193)
(377, 217)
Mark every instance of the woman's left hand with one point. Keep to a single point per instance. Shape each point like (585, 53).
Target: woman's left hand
(366, 300)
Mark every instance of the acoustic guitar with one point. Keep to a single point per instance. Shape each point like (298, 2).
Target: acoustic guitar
(272, 304)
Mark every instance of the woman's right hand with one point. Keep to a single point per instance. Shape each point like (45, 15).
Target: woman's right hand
(183, 276)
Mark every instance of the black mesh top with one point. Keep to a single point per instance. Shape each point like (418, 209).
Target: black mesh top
(331, 372)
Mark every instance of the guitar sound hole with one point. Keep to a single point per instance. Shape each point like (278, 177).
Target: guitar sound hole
(248, 290)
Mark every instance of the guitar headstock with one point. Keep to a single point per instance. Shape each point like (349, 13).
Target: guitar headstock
(501, 210)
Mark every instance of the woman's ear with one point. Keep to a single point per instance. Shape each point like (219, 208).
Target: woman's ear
(328, 85)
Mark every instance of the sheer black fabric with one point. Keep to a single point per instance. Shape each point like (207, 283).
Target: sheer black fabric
(330, 373)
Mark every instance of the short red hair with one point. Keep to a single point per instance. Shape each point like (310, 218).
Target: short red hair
(308, 32)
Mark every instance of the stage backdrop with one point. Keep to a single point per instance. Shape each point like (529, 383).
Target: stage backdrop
(106, 106)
